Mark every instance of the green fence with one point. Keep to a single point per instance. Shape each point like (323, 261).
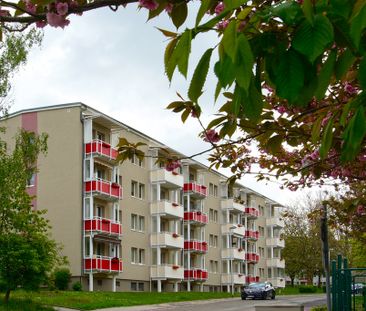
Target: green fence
(345, 295)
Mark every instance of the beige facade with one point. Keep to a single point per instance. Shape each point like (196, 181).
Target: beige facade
(136, 226)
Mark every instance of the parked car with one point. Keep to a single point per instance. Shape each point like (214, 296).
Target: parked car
(261, 290)
(357, 288)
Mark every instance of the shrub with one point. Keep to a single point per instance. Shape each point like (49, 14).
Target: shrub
(307, 289)
(319, 308)
(77, 286)
(62, 278)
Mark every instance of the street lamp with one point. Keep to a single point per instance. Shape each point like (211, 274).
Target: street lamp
(231, 259)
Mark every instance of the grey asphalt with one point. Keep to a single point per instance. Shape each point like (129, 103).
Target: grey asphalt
(231, 304)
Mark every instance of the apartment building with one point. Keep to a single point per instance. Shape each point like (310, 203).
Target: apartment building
(136, 226)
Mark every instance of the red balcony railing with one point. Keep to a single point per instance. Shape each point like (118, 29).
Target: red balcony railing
(250, 234)
(196, 275)
(252, 279)
(253, 257)
(102, 225)
(197, 217)
(195, 188)
(196, 246)
(252, 212)
(104, 188)
(103, 264)
(101, 148)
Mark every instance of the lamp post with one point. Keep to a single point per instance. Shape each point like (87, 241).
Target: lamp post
(231, 259)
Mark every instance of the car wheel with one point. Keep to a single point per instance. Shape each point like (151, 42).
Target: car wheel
(265, 296)
(273, 296)
(243, 298)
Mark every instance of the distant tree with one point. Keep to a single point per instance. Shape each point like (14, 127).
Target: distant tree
(27, 253)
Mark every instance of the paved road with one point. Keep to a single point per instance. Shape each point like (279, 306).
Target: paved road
(233, 304)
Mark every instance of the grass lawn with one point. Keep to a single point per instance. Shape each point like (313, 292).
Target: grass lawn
(23, 305)
(295, 291)
(95, 300)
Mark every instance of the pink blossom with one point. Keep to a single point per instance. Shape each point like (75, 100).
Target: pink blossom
(56, 20)
(219, 8)
(361, 210)
(4, 13)
(281, 109)
(315, 155)
(30, 7)
(172, 165)
(350, 89)
(169, 8)
(149, 4)
(62, 8)
(41, 24)
(222, 25)
(211, 136)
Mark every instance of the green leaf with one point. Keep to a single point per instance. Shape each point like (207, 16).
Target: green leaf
(216, 122)
(185, 114)
(167, 33)
(274, 144)
(358, 23)
(169, 62)
(362, 73)
(312, 40)
(244, 62)
(175, 104)
(341, 7)
(179, 14)
(204, 7)
(289, 12)
(217, 90)
(156, 12)
(253, 105)
(354, 135)
(199, 76)
(307, 8)
(345, 61)
(326, 139)
(289, 75)
(315, 131)
(244, 13)
(229, 40)
(233, 4)
(345, 112)
(325, 75)
(225, 71)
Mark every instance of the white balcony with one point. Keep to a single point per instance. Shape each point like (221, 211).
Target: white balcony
(167, 271)
(230, 204)
(275, 221)
(276, 263)
(167, 209)
(233, 253)
(277, 282)
(235, 229)
(170, 179)
(235, 278)
(167, 239)
(275, 242)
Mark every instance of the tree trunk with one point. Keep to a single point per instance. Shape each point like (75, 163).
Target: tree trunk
(292, 281)
(319, 280)
(7, 295)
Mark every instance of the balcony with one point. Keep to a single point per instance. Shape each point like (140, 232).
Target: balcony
(195, 275)
(101, 149)
(235, 278)
(167, 209)
(170, 179)
(275, 242)
(237, 229)
(167, 271)
(104, 189)
(251, 234)
(277, 281)
(103, 264)
(196, 246)
(275, 222)
(233, 253)
(195, 190)
(252, 257)
(252, 279)
(276, 263)
(197, 218)
(251, 212)
(167, 239)
(230, 204)
(103, 226)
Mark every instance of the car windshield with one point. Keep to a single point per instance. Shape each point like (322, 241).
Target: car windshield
(257, 285)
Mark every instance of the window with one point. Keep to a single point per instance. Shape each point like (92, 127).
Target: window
(214, 266)
(137, 222)
(137, 255)
(213, 189)
(100, 282)
(137, 286)
(118, 283)
(261, 231)
(100, 211)
(31, 181)
(137, 190)
(100, 136)
(135, 160)
(261, 210)
(213, 215)
(213, 240)
(261, 252)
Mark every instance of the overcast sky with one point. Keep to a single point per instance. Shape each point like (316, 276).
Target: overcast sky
(113, 62)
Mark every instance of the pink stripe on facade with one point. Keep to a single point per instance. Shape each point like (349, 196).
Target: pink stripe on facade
(30, 124)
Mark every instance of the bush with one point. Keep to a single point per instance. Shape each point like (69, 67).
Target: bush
(307, 289)
(62, 278)
(319, 308)
(77, 287)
